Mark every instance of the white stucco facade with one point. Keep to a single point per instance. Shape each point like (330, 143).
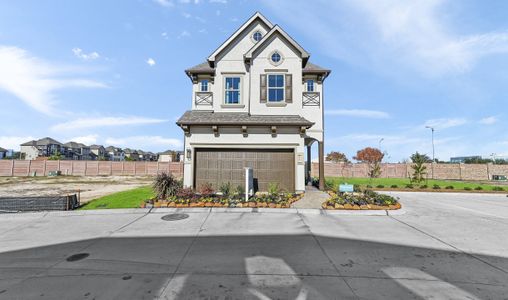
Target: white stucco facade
(241, 56)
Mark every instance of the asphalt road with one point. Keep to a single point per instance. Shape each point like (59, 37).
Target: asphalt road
(445, 246)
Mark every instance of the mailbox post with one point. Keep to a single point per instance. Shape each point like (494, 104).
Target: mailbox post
(249, 183)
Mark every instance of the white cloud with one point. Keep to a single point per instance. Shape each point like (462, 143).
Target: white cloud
(35, 81)
(90, 56)
(360, 113)
(145, 142)
(186, 15)
(97, 122)
(489, 120)
(13, 142)
(445, 123)
(183, 34)
(151, 62)
(86, 139)
(380, 34)
(165, 3)
(219, 1)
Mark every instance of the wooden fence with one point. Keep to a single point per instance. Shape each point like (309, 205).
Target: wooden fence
(88, 168)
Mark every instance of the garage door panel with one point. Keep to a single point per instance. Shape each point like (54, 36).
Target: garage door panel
(217, 166)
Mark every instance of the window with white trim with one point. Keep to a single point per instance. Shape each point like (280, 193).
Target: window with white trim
(232, 90)
(310, 85)
(204, 85)
(275, 88)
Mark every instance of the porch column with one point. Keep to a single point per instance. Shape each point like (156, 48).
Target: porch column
(321, 151)
(309, 166)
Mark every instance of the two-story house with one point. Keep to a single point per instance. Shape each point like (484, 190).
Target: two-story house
(257, 102)
(115, 154)
(77, 151)
(41, 148)
(99, 151)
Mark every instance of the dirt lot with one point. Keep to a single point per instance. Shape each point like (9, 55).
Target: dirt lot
(91, 187)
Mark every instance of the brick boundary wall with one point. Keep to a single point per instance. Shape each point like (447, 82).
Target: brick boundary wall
(88, 168)
(394, 170)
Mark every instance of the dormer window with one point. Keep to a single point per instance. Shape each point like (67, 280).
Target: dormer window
(257, 36)
(310, 85)
(204, 85)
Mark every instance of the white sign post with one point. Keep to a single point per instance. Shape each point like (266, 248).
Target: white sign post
(249, 183)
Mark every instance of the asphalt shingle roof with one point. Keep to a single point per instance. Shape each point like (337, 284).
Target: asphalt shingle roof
(312, 68)
(225, 118)
(42, 142)
(201, 68)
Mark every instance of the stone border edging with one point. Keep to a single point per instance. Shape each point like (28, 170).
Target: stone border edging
(309, 211)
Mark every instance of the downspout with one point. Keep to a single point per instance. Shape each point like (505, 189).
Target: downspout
(250, 87)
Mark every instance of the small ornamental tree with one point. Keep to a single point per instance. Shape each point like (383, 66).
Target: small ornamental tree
(419, 169)
(372, 157)
(336, 156)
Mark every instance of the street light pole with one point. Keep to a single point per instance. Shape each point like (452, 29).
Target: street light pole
(433, 149)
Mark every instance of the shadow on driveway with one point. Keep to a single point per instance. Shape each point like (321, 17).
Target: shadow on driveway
(247, 267)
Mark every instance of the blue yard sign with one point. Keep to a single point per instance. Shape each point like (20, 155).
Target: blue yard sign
(346, 188)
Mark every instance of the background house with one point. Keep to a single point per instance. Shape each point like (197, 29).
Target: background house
(3, 153)
(131, 154)
(99, 151)
(77, 151)
(115, 154)
(44, 147)
(169, 156)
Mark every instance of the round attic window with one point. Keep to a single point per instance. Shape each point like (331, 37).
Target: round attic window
(257, 36)
(275, 58)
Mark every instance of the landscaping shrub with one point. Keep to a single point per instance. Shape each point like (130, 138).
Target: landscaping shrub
(424, 186)
(436, 187)
(498, 189)
(273, 189)
(165, 185)
(466, 188)
(380, 186)
(409, 186)
(450, 187)
(478, 188)
(394, 186)
(367, 197)
(185, 193)
(369, 186)
(206, 189)
(225, 189)
(357, 188)
(239, 190)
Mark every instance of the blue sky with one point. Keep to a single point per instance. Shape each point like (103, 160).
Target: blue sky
(111, 72)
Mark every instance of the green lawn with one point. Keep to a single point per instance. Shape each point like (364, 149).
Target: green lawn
(126, 199)
(402, 182)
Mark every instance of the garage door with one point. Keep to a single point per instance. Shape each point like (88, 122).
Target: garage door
(218, 166)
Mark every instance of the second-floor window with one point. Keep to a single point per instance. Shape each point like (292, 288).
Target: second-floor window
(204, 85)
(275, 88)
(232, 90)
(310, 85)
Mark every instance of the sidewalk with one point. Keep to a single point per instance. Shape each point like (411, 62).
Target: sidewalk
(313, 198)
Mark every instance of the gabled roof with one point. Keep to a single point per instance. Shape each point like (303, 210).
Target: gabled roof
(42, 142)
(238, 119)
(256, 16)
(3, 150)
(311, 68)
(75, 145)
(277, 30)
(167, 152)
(96, 146)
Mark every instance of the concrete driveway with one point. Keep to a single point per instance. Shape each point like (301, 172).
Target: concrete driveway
(446, 246)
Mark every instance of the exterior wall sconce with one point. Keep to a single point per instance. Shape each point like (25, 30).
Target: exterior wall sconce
(188, 154)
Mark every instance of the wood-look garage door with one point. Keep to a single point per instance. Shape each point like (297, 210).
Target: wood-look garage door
(218, 166)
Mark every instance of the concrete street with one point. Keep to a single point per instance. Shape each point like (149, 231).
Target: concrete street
(444, 246)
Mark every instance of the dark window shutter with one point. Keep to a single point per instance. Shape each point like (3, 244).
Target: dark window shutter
(262, 88)
(289, 88)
